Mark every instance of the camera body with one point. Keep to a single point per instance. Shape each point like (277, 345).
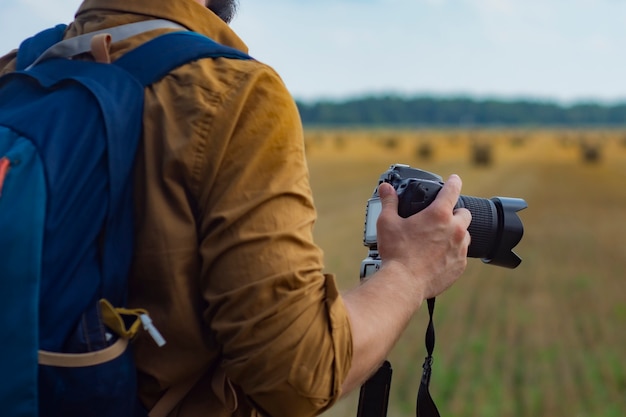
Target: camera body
(495, 228)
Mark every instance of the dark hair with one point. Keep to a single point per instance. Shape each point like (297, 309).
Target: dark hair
(225, 9)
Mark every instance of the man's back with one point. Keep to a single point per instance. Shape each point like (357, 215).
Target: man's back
(222, 194)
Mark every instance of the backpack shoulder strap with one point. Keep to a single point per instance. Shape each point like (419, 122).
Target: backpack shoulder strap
(30, 49)
(149, 63)
(49, 43)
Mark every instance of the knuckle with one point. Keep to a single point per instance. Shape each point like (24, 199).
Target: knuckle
(439, 212)
(461, 234)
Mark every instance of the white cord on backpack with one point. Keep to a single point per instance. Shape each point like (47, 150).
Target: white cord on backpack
(154, 332)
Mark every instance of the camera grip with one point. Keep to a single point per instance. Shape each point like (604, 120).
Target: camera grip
(415, 196)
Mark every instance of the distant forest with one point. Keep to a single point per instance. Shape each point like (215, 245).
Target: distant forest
(432, 111)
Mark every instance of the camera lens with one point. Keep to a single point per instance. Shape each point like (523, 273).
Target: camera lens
(495, 229)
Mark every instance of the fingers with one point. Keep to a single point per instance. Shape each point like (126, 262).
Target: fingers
(447, 199)
(450, 192)
(388, 197)
(464, 214)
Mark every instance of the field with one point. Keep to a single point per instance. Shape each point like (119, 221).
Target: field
(545, 339)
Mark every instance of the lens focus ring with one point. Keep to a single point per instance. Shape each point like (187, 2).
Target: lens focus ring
(484, 226)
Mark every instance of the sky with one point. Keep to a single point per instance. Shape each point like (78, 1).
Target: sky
(556, 50)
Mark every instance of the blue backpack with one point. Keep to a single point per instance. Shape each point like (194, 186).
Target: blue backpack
(69, 131)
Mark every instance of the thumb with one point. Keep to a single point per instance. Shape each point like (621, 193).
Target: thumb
(388, 197)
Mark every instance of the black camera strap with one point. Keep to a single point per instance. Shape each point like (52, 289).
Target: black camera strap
(425, 405)
(374, 395)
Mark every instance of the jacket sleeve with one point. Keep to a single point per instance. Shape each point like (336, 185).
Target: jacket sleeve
(280, 322)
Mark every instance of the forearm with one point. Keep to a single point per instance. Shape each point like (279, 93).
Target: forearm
(379, 311)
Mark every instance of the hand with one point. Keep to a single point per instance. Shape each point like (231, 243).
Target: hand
(432, 244)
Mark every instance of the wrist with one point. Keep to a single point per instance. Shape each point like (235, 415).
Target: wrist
(406, 283)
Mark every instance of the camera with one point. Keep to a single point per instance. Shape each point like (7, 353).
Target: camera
(495, 228)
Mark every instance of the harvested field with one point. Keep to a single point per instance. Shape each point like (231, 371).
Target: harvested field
(545, 339)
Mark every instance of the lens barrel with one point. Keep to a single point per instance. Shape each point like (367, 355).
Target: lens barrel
(495, 229)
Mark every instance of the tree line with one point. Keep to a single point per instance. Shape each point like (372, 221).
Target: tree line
(433, 111)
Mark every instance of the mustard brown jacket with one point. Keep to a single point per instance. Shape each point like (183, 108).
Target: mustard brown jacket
(225, 260)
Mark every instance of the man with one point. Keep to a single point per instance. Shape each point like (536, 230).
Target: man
(225, 260)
